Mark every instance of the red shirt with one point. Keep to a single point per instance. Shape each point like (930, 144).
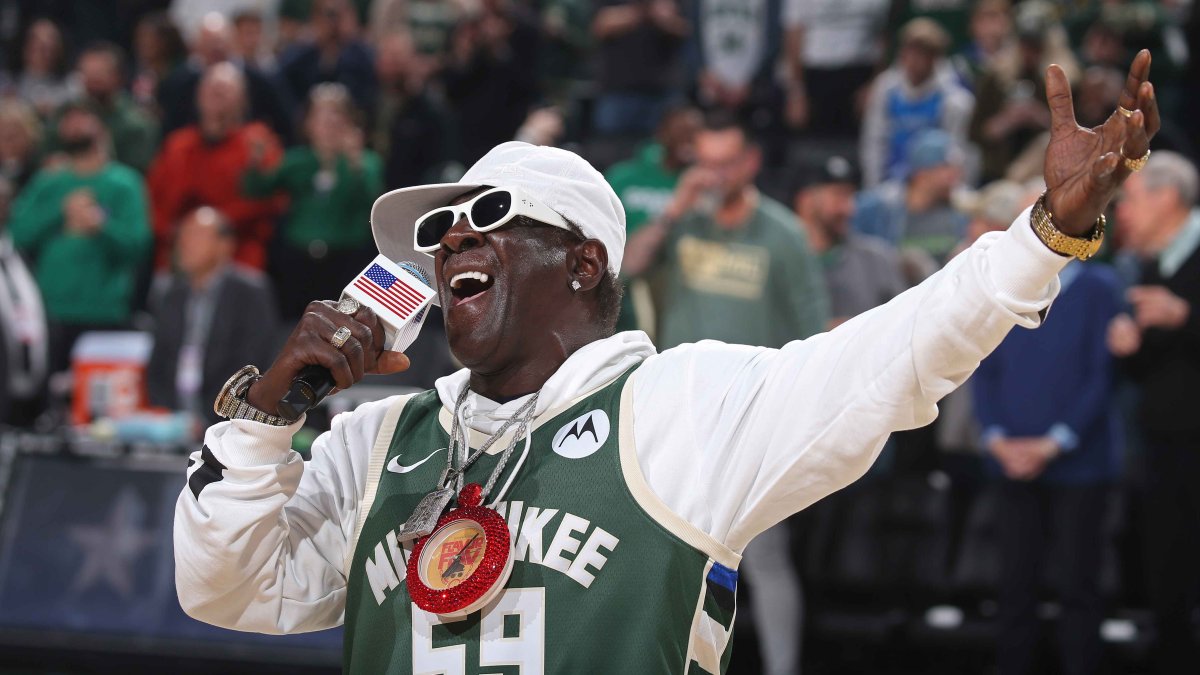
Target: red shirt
(190, 172)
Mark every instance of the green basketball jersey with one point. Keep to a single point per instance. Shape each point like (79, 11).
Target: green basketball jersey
(606, 579)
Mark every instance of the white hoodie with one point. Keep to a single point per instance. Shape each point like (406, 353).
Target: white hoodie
(731, 439)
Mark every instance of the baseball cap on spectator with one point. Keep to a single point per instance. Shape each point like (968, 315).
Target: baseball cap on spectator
(925, 33)
(560, 179)
(832, 169)
(931, 148)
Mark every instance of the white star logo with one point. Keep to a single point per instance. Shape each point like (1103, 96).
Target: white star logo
(111, 547)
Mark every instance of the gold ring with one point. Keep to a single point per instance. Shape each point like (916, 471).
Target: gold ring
(348, 305)
(1124, 111)
(340, 336)
(1135, 164)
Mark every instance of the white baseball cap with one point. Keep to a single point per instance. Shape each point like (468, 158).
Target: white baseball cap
(561, 179)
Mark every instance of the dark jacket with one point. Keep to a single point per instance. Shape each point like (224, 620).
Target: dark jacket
(244, 330)
(1167, 367)
(301, 68)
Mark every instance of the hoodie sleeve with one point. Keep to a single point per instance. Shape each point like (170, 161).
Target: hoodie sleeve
(261, 536)
(734, 439)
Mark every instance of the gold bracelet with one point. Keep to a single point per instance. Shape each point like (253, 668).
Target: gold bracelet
(1064, 244)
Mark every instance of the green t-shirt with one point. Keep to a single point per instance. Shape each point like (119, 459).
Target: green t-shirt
(645, 188)
(604, 580)
(84, 279)
(333, 206)
(759, 284)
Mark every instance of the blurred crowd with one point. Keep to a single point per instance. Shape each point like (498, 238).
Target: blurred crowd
(201, 170)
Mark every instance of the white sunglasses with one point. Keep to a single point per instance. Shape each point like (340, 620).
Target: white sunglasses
(486, 212)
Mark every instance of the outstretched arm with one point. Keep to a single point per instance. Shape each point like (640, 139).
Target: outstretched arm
(756, 434)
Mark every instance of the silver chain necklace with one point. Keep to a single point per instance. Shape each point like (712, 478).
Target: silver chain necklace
(425, 516)
(459, 445)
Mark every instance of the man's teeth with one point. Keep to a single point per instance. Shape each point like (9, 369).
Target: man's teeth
(457, 279)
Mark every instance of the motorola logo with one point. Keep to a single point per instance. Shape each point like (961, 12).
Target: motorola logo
(582, 436)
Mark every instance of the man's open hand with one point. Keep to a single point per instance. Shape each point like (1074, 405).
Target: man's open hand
(1084, 167)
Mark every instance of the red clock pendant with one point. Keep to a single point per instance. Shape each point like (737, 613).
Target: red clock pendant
(465, 563)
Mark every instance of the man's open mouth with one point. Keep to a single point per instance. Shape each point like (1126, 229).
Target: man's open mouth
(466, 286)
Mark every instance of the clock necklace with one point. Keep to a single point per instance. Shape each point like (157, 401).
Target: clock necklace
(463, 558)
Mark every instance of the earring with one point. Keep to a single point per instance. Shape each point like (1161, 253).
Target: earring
(575, 285)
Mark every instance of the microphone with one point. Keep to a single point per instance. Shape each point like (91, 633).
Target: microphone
(399, 294)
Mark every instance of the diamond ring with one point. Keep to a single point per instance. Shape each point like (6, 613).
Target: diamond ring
(348, 305)
(340, 336)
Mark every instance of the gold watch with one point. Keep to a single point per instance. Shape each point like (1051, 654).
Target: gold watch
(1064, 244)
(231, 402)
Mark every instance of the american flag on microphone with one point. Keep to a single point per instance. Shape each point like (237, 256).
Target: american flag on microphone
(396, 295)
(390, 290)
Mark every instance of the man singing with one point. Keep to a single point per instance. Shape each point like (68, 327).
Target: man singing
(628, 481)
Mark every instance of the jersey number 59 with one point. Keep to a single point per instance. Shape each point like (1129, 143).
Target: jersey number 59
(498, 646)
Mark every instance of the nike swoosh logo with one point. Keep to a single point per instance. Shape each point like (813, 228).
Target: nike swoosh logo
(396, 467)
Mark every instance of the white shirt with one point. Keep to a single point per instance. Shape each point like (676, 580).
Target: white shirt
(732, 439)
(838, 33)
(733, 34)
